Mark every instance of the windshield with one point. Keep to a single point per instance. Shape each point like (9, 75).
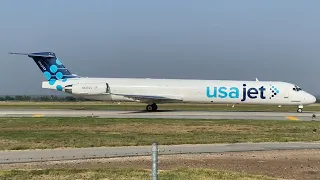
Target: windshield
(297, 88)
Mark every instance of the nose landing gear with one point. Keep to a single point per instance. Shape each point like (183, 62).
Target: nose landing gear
(299, 110)
(152, 107)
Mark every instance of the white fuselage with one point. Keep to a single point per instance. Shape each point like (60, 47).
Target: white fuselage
(185, 90)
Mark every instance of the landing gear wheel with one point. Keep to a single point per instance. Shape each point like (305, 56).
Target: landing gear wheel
(152, 107)
(155, 107)
(299, 110)
(149, 108)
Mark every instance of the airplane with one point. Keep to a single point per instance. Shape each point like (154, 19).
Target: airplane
(159, 91)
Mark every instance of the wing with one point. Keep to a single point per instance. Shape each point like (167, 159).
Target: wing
(152, 98)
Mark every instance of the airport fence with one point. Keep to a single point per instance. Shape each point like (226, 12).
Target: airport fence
(154, 161)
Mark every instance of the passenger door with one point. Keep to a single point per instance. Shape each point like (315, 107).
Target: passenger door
(107, 88)
(286, 94)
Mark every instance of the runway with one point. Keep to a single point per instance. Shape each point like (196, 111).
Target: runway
(24, 156)
(305, 116)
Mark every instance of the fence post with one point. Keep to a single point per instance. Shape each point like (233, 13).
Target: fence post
(155, 161)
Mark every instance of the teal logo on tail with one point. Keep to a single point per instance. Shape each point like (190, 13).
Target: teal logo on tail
(51, 67)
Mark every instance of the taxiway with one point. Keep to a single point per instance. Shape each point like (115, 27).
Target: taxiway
(160, 114)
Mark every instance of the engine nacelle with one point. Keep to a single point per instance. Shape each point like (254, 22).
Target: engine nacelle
(88, 89)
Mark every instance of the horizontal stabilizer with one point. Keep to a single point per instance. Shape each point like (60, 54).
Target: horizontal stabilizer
(42, 54)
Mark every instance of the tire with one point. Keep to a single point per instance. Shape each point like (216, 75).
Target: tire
(299, 110)
(155, 107)
(149, 108)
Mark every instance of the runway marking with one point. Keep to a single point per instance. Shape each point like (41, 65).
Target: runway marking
(292, 118)
(38, 115)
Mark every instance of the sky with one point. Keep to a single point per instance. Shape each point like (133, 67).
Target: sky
(205, 39)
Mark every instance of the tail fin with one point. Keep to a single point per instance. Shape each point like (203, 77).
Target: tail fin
(50, 65)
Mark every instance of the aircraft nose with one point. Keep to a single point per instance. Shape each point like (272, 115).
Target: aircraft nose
(311, 99)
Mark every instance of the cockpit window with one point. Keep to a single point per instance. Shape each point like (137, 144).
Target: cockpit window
(297, 88)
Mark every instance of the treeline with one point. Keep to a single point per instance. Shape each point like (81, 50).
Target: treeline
(41, 98)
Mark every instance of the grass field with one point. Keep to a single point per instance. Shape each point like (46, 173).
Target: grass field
(50, 132)
(178, 174)
(97, 105)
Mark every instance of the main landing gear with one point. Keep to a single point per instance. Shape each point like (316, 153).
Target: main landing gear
(299, 110)
(152, 107)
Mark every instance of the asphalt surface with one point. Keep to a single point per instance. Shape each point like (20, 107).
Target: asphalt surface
(159, 114)
(23, 156)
